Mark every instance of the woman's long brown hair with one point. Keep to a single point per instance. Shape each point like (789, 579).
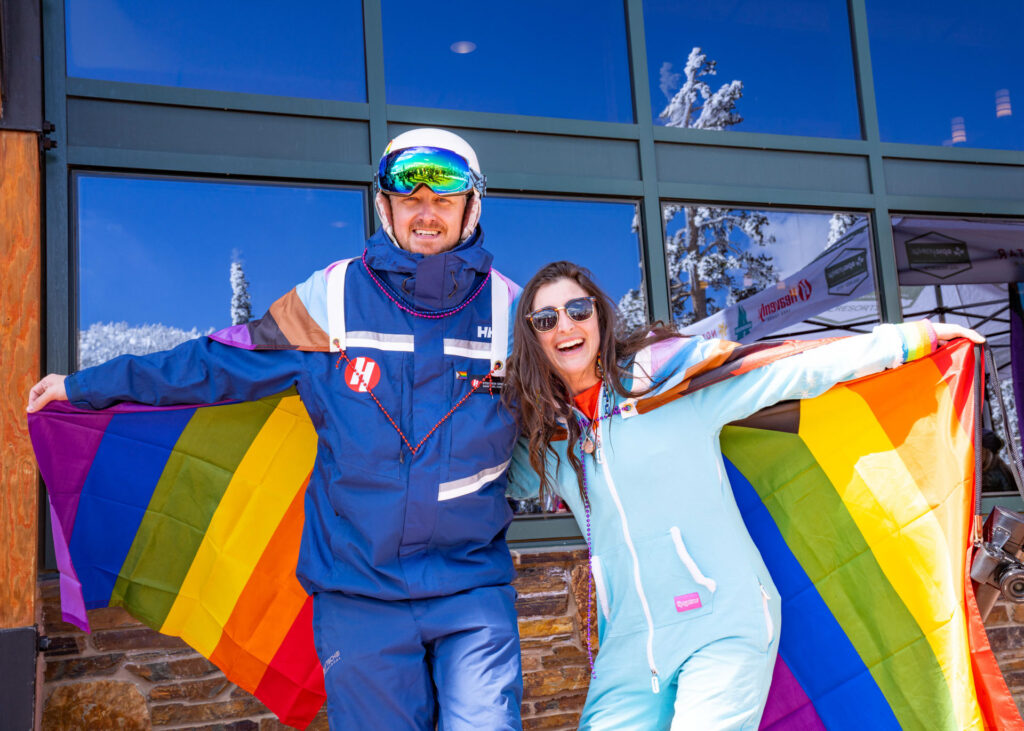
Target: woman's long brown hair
(540, 396)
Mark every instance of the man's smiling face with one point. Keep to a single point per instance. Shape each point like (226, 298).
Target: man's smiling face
(425, 222)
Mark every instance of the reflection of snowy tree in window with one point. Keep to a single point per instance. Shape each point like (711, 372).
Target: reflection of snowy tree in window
(106, 340)
(241, 304)
(838, 225)
(712, 259)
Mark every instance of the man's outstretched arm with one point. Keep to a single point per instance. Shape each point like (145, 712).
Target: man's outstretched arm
(200, 371)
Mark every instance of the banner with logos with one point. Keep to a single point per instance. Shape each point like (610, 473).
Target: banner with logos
(838, 287)
(958, 251)
(841, 275)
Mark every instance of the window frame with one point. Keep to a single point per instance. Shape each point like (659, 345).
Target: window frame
(523, 155)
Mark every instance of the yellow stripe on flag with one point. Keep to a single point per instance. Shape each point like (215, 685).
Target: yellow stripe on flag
(273, 469)
(909, 541)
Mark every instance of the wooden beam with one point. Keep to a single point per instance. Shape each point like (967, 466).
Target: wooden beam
(20, 300)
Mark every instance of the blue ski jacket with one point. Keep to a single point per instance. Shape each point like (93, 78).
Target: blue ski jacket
(407, 495)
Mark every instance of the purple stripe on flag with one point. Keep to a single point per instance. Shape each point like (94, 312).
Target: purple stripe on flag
(788, 706)
(72, 603)
(237, 336)
(64, 464)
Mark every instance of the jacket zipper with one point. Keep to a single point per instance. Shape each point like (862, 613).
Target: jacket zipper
(599, 454)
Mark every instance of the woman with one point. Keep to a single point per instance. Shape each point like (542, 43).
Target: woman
(688, 615)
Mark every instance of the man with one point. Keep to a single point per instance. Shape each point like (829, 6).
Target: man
(397, 358)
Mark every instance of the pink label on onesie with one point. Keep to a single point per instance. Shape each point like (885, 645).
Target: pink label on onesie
(686, 602)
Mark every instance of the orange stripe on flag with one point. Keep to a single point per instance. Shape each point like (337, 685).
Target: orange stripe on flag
(267, 607)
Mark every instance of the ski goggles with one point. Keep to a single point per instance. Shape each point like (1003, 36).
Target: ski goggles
(443, 171)
(545, 319)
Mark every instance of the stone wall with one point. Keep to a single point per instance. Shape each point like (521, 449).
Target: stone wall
(126, 676)
(1005, 627)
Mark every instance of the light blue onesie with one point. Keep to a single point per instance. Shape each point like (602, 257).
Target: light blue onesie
(688, 616)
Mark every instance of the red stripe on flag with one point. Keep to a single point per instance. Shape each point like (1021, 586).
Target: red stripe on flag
(994, 697)
(293, 686)
(951, 359)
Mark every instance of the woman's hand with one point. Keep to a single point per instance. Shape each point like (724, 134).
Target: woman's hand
(944, 332)
(49, 389)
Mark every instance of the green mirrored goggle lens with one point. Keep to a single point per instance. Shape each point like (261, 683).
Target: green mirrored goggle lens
(442, 171)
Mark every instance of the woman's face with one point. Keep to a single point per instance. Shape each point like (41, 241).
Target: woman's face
(571, 347)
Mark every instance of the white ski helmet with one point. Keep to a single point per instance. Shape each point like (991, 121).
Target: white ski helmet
(430, 137)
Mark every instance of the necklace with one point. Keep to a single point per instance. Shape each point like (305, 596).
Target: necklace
(587, 427)
(388, 292)
(343, 356)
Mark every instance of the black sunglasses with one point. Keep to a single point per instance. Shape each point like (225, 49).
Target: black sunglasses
(545, 319)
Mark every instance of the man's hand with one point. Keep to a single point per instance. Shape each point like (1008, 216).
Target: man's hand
(49, 389)
(944, 332)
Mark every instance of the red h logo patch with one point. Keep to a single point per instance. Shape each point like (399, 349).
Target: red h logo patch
(362, 374)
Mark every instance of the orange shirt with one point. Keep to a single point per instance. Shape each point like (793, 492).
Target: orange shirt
(586, 401)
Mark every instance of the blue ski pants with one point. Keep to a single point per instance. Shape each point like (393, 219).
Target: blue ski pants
(452, 661)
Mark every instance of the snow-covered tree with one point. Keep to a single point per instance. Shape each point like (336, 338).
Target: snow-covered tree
(712, 258)
(241, 304)
(106, 340)
(838, 225)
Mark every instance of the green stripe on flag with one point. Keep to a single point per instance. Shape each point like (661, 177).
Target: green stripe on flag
(193, 481)
(824, 538)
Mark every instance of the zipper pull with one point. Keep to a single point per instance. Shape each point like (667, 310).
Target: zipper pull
(401, 456)
(655, 686)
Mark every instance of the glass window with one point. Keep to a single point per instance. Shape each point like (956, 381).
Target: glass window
(524, 234)
(312, 50)
(949, 73)
(164, 260)
(781, 68)
(965, 271)
(745, 275)
(529, 57)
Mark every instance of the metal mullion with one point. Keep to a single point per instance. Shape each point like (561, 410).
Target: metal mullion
(58, 287)
(185, 162)
(58, 248)
(759, 141)
(747, 196)
(652, 231)
(207, 99)
(564, 184)
(906, 151)
(884, 250)
(493, 121)
(376, 91)
(953, 206)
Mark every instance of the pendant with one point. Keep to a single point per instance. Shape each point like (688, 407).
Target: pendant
(588, 446)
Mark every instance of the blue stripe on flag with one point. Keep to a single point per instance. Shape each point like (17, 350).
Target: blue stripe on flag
(128, 465)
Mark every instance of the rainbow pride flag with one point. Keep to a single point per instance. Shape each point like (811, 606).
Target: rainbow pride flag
(860, 500)
(861, 503)
(190, 518)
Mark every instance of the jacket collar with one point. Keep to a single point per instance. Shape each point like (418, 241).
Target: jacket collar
(435, 282)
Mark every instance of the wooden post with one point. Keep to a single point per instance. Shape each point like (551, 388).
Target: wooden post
(20, 341)
(20, 295)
